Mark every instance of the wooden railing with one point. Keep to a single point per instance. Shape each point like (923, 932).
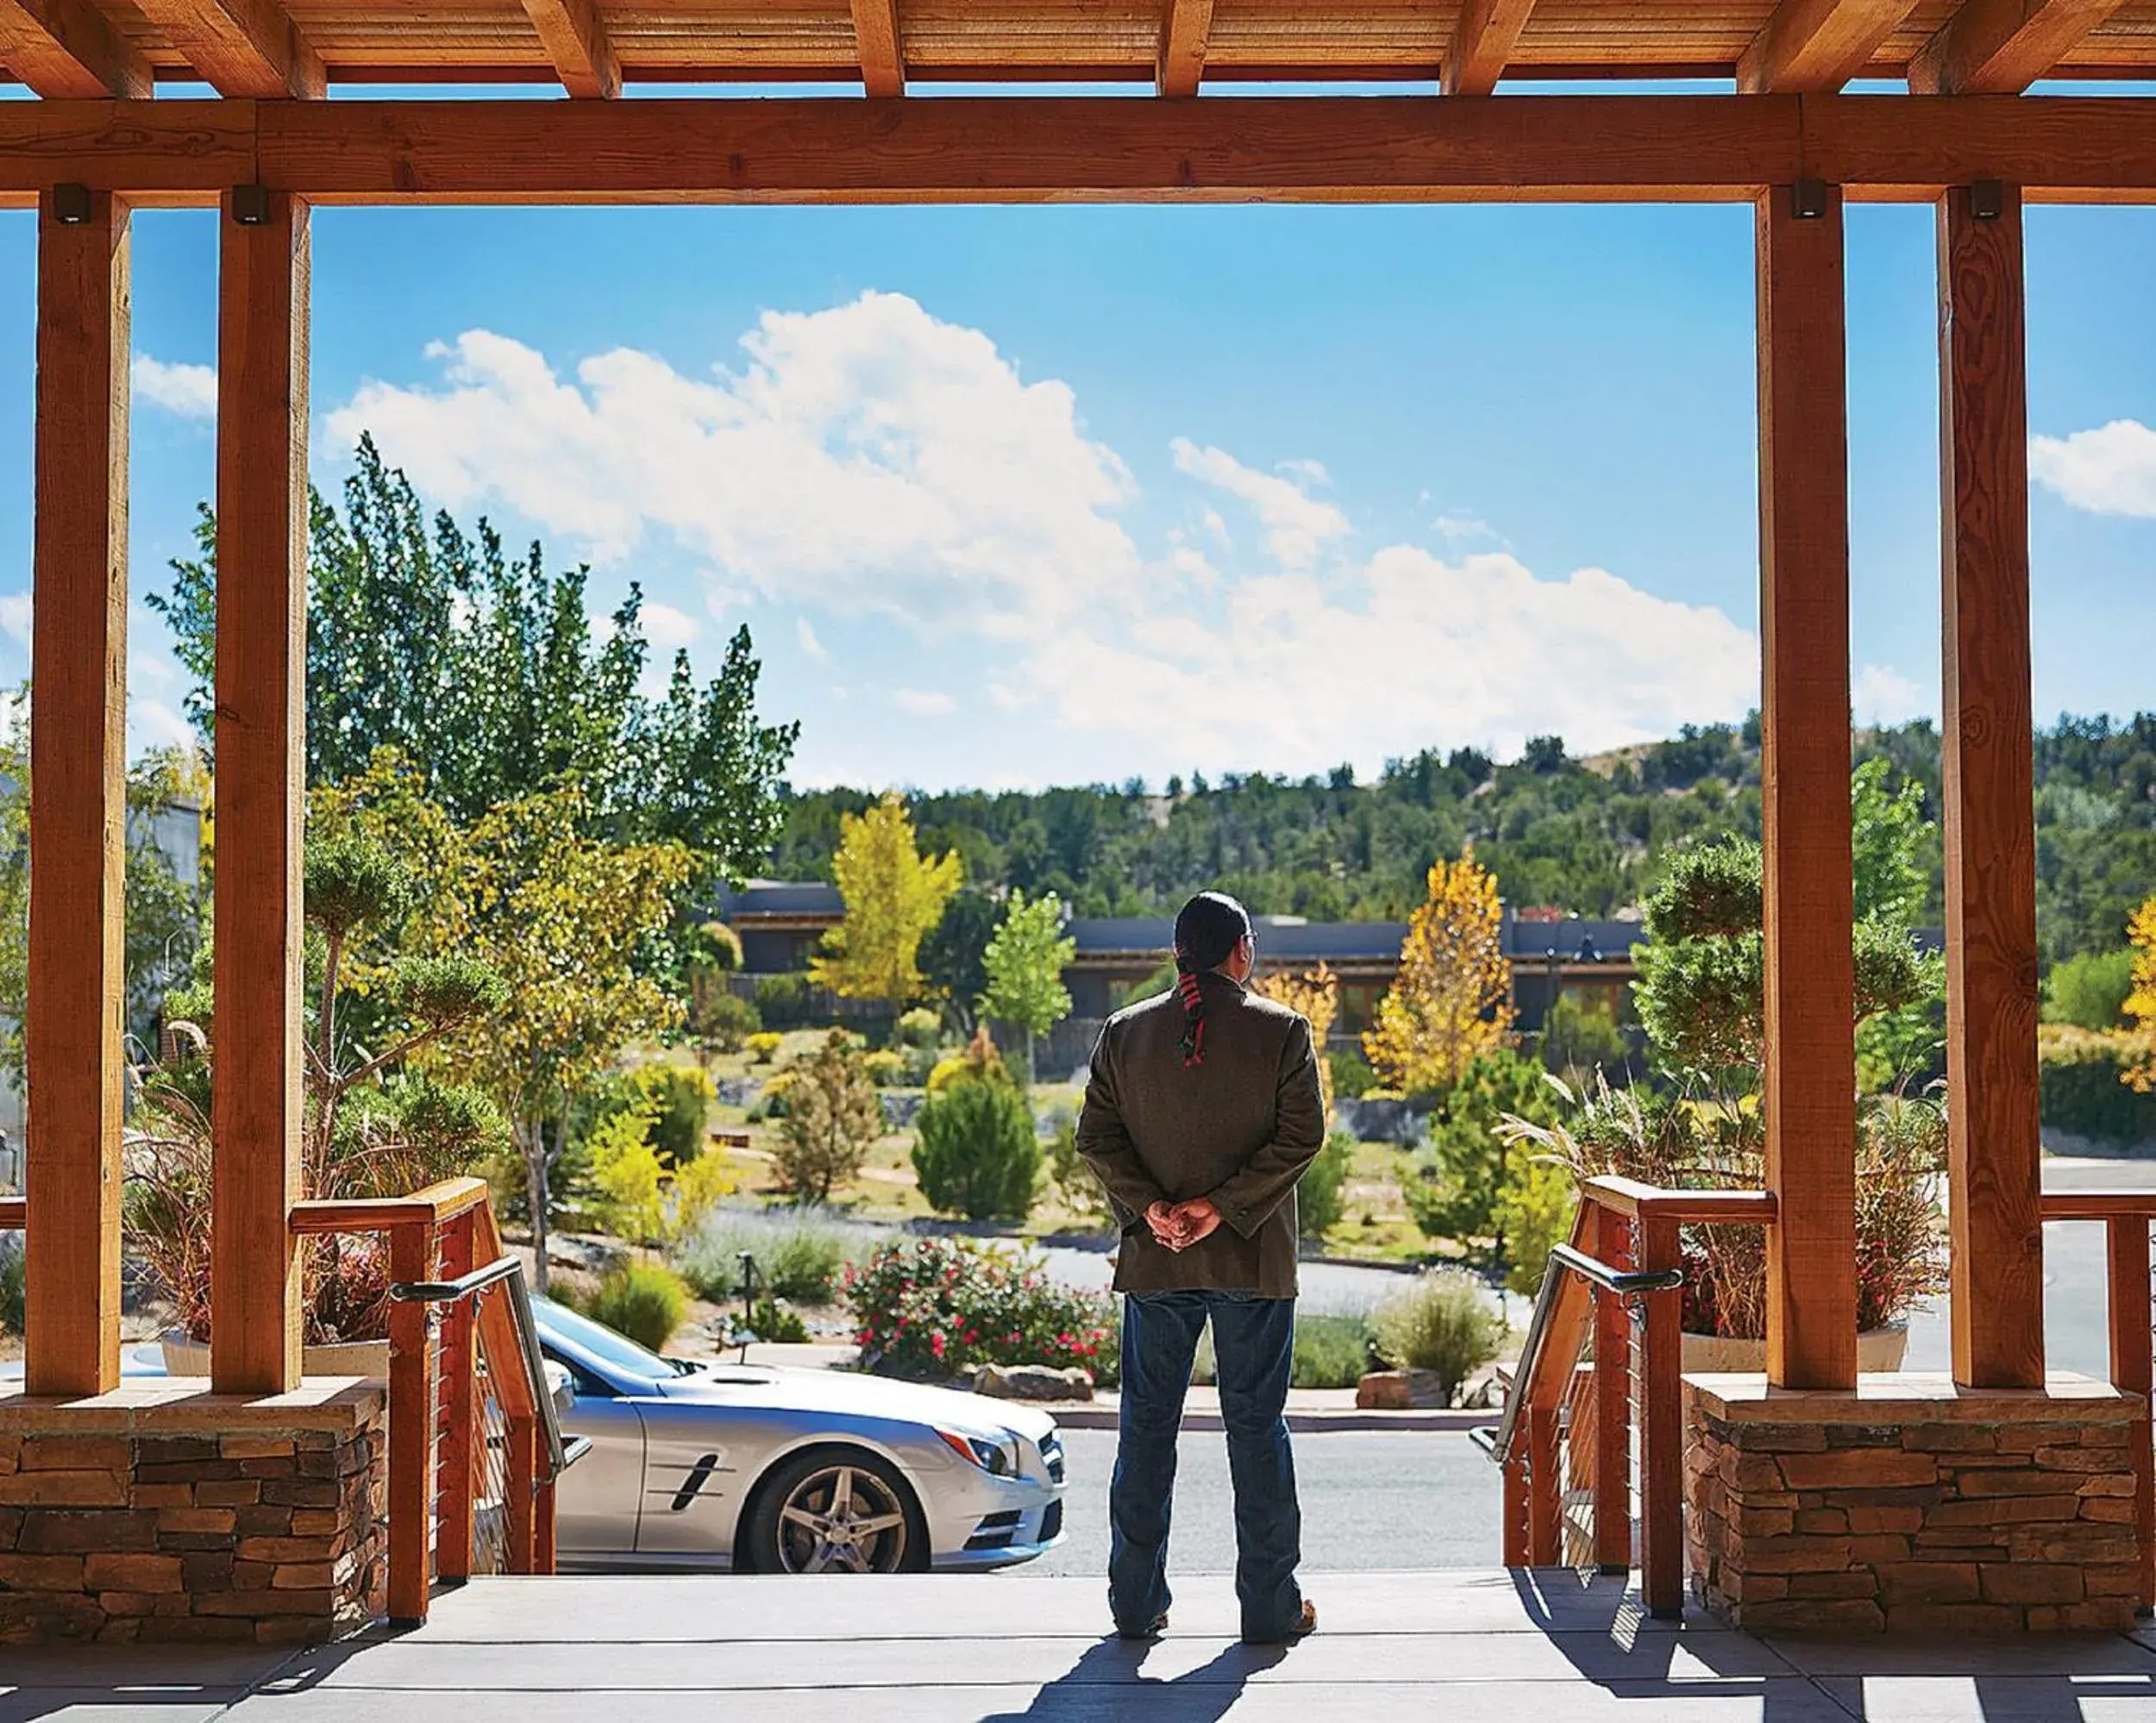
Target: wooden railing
(11, 1212)
(2126, 1215)
(1568, 1429)
(446, 1256)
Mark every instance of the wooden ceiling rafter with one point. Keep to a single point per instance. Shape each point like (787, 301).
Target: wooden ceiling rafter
(241, 47)
(1815, 46)
(576, 40)
(1482, 42)
(1999, 48)
(882, 53)
(1184, 36)
(64, 48)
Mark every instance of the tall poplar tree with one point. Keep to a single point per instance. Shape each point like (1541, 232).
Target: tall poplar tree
(1452, 999)
(1025, 962)
(894, 896)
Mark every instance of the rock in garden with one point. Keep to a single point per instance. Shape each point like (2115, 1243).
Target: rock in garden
(1032, 1382)
(1399, 1391)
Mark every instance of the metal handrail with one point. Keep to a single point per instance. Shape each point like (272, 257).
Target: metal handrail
(559, 1455)
(1563, 1259)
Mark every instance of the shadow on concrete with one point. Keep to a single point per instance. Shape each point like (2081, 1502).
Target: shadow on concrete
(1108, 1681)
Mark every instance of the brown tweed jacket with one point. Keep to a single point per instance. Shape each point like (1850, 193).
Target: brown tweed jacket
(1238, 1128)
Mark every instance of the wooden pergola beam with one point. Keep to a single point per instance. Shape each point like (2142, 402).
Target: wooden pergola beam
(1809, 1085)
(1994, 1165)
(1483, 41)
(241, 47)
(261, 753)
(65, 48)
(876, 36)
(575, 39)
(1021, 149)
(1817, 46)
(78, 648)
(1996, 48)
(1184, 34)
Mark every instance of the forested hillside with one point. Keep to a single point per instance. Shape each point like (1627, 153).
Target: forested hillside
(1586, 835)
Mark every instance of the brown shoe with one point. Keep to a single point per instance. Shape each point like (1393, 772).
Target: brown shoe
(1159, 1626)
(1304, 1625)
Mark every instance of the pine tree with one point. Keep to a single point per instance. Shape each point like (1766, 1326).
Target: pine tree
(894, 896)
(1452, 999)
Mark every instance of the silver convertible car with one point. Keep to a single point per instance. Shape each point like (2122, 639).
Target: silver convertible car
(774, 1470)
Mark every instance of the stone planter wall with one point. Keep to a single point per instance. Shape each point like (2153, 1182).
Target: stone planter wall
(162, 1512)
(1909, 1507)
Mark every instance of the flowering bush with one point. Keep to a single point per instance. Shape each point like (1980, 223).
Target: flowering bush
(930, 1306)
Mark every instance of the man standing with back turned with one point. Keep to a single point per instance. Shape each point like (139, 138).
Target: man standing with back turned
(1202, 1112)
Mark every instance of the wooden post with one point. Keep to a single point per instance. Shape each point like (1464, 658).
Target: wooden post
(520, 1496)
(1661, 1429)
(1811, 1058)
(2127, 1238)
(1613, 1404)
(411, 1403)
(1513, 1531)
(260, 752)
(1545, 1486)
(71, 1026)
(1996, 1232)
(459, 1391)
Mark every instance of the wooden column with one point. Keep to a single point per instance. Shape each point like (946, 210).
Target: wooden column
(1811, 1059)
(261, 753)
(77, 773)
(1997, 1236)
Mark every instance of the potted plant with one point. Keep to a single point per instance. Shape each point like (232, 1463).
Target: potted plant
(1702, 998)
(370, 1128)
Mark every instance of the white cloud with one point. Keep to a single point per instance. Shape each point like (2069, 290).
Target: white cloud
(866, 458)
(1882, 694)
(667, 628)
(15, 617)
(1457, 528)
(190, 390)
(870, 460)
(2109, 470)
(1297, 525)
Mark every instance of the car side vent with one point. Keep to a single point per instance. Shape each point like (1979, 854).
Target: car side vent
(692, 1485)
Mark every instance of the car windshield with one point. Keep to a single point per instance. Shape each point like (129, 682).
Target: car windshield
(601, 1343)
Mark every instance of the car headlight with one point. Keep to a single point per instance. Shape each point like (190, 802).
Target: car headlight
(996, 1455)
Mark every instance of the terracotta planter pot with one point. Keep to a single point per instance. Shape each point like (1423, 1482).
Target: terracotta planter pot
(368, 1358)
(1879, 1352)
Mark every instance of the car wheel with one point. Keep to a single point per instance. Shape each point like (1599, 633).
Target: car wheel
(835, 1510)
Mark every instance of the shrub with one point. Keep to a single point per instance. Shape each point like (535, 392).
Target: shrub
(1078, 1188)
(636, 1196)
(1331, 1351)
(784, 999)
(1534, 1212)
(764, 1047)
(1444, 1323)
(775, 1322)
(727, 1021)
(976, 1153)
(798, 1250)
(886, 1067)
(11, 1285)
(930, 1307)
(1320, 1199)
(678, 1098)
(1352, 1077)
(641, 1299)
(2081, 1081)
(833, 1119)
(2089, 991)
(978, 1061)
(919, 1027)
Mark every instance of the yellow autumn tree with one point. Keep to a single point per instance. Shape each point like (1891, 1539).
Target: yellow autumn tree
(1452, 999)
(2140, 1004)
(1316, 994)
(894, 895)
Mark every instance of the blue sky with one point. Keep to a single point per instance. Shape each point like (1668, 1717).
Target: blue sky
(1029, 496)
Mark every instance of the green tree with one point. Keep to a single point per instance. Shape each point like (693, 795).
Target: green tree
(1024, 963)
(2089, 991)
(833, 1117)
(1457, 1185)
(952, 951)
(488, 676)
(894, 895)
(976, 1153)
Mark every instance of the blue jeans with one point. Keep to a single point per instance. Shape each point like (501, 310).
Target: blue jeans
(1253, 1343)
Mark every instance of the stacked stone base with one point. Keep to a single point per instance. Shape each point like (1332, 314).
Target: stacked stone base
(164, 1513)
(1910, 1506)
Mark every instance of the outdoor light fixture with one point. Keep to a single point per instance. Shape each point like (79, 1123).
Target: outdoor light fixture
(71, 204)
(250, 205)
(1807, 199)
(1987, 200)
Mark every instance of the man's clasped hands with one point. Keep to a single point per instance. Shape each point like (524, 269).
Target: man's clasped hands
(1180, 1225)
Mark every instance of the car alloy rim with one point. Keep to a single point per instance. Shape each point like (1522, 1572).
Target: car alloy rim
(842, 1519)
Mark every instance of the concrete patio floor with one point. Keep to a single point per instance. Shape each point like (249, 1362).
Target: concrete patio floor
(1547, 1647)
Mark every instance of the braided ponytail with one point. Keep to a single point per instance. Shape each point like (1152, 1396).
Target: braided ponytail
(1210, 926)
